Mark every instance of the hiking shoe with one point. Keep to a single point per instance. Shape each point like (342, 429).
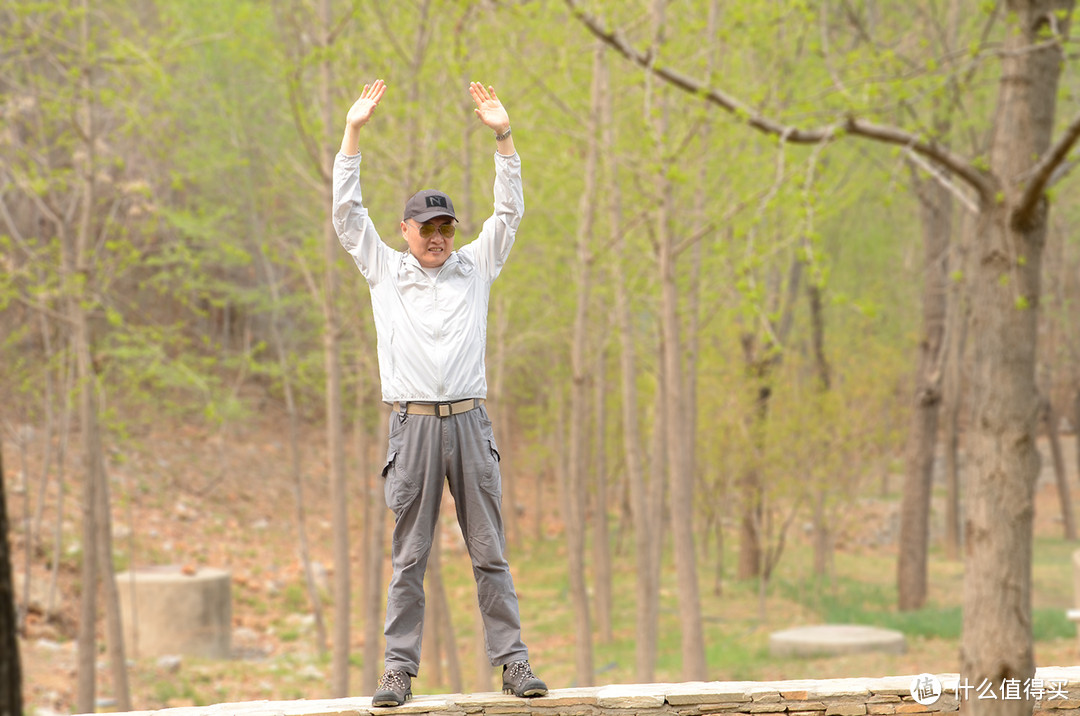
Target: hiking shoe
(395, 688)
(519, 680)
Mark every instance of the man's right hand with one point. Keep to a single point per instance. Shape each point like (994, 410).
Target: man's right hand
(363, 108)
(360, 113)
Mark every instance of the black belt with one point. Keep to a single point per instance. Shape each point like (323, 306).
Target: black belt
(441, 410)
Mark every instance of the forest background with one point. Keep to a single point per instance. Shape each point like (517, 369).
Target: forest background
(712, 345)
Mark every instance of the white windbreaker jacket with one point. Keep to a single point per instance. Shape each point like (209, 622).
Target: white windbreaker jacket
(432, 333)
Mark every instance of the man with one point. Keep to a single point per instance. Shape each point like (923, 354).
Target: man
(430, 305)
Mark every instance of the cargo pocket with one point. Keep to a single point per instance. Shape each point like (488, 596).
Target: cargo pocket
(490, 478)
(399, 487)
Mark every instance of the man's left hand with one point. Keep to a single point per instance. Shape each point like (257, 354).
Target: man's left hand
(489, 109)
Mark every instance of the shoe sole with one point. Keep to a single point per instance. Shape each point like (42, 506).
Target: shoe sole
(529, 693)
(388, 704)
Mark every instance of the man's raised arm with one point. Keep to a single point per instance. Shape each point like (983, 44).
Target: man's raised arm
(496, 238)
(359, 114)
(491, 112)
(351, 221)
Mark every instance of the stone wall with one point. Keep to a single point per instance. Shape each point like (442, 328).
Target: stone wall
(1056, 691)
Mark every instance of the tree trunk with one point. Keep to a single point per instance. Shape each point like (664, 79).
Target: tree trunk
(335, 436)
(441, 623)
(114, 627)
(61, 490)
(823, 538)
(373, 550)
(1076, 426)
(672, 390)
(574, 493)
(682, 482)
(49, 401)
(338, 492)
(646, 588)
(718, 566)
(433, 616)
(573, 513)
(97, 532)
(601, 530)
(74, 262)
(822, 534)
(997, 641)
(294, 439)
(484, 674)
(693, 301)
(88, 422)
(24, 435)
(761, 363)
(952, 398)
(1050, 419)
(453, 661)
(1005, 464)
(911, 568)
(496, 393)
(656, 500)
(538, 512)
(11, 703)
(749, 562)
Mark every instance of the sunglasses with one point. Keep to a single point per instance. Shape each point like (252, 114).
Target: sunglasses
(428, 230)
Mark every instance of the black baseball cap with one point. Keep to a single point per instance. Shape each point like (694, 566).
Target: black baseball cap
(428, 204)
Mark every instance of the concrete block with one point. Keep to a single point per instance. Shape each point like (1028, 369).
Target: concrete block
(835, 639)
(168, 611)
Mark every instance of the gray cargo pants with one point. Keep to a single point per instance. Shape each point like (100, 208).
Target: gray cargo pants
(423, 451)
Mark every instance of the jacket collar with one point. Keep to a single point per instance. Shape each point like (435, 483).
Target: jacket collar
(453, 262)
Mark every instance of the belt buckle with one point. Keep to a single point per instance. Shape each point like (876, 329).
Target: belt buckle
(439, 410)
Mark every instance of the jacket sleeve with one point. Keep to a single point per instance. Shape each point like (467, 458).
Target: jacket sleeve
(351, 222)
(492, 246)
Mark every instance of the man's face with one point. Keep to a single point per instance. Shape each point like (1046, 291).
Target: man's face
(432, 251)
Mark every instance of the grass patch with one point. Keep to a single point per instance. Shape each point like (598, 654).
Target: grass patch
(849, 601)
(166, 691)
(1052, 574)
(1048, 623)
(845, 600)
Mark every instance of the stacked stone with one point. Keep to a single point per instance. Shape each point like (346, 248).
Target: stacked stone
(889, 696)
(834, 697)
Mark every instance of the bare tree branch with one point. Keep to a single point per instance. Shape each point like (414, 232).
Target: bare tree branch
(944, 181)
(955, 163)
(15, 234)
(42, 205)
(43, 309)
(1042, 172)
(1063, 170)
(691, 240)
(342, 23)
(311, 147)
